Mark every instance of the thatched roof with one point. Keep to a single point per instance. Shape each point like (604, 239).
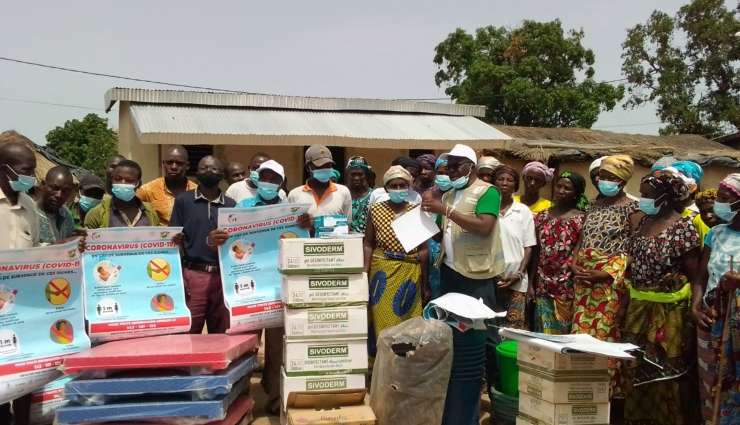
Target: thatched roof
(45, 158)
(535, 143)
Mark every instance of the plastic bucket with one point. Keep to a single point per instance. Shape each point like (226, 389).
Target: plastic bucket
(504, 408)
(509, 371)
(462, 405)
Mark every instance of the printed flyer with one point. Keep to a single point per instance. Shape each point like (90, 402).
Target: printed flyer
(41, 315)
(133, 283)
(249, 259)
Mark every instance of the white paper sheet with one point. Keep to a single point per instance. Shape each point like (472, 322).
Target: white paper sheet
(414, 228)
(575, 343)
(465, 306)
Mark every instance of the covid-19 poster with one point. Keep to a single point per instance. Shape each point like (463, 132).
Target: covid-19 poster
(41, 315)
(249, 258)
(133, 283)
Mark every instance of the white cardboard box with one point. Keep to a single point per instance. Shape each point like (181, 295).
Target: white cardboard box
(563, 414)
(326, 322)
(323, 383)
(319, 256)
(325, 357)
(548, 360)
(564, 389)
(301, 291)
(359, 414)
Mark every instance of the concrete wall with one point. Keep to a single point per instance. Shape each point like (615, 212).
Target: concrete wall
(148, 156)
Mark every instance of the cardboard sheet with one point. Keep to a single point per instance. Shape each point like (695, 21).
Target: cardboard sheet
(211, 352)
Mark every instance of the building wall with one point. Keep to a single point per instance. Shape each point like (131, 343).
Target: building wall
(148, 156)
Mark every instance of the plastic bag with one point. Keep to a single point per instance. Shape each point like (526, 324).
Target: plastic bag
(411, 373)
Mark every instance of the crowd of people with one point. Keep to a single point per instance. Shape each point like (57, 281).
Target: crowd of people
(656, 270)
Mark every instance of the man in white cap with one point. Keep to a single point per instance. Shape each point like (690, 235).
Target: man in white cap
(325, 197)
(471, 253)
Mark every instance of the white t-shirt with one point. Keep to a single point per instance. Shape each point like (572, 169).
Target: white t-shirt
(240, 191)
(517, 232)
(337, 200)
(380, 195)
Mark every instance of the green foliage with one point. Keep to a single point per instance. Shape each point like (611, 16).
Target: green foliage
(88, 143)
(687, 65)
(534, 75)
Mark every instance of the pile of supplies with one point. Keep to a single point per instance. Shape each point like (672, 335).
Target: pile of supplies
(325, 294)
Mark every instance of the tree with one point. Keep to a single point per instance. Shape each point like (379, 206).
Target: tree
(687, 65)
(88, 143)
(533, 75)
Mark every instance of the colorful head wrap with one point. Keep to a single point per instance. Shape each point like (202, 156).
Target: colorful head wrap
(360, 163)
(538, 168)
(426, 160)
(505, 169)
(489, 162)
(663, 162)
(441, 161)
(731, 183)
(336, 174)
(705, 196)
(690, 169)
(396, 172)
(596, 164)
(690, 183)
(579, 184)
(621, 166)
(669, 182)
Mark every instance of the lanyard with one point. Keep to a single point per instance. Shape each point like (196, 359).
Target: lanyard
(130, 223)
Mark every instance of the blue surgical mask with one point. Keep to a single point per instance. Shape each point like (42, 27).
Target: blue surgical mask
(443, 182)
(460, 182)
(87, 203)
(267, 191)
(398, 195)
(724, 211)
(123, 191)
(322, 174)
(254, 177)
(608, 188)
(22, 183)
(648, 206)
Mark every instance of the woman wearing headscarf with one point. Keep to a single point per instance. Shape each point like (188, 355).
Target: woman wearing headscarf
(397, 279)
(663, 250)
(486, 166)
(716, 309)
(705, 202)
(425, 181)
(536, 176)
(558, 229)
(357, 177)
(517, 240)
(442, 184)
(601, 256)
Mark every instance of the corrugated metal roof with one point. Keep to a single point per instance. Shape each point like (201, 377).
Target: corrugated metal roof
(159, 124)
(252, 100)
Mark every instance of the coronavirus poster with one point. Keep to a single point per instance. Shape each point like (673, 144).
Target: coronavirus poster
(133, 283)
(248, 259)
(41, 315)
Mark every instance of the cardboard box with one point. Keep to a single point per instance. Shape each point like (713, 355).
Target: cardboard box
(301, 291)
(332, 390)
(564, 389)
(563, 414)
(547, 360)
(344, 415)
(326, 322)
(320, 256)
(325, 357)
(526, 420)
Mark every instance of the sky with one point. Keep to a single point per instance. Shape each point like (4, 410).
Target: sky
(378, 49)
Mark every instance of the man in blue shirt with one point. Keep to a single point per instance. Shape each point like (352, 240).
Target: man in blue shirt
(197, 213)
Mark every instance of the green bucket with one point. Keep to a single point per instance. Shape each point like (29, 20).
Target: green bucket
(509, 371)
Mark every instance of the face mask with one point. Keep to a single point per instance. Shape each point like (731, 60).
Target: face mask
(460, 183)
(209, 179)
(87, 203)
(724, 211)
(22, 183)
(648, 206)
(322, 174)
(267, 191)
(254, 177)
(443, 182)
(398, 196)
(608, 188)
(124, 192)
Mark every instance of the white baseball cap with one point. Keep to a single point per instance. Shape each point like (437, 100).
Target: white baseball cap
(273, 166)
(464, 151)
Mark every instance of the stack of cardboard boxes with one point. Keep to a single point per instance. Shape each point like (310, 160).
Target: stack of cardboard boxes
(561, 389)
(325, 293)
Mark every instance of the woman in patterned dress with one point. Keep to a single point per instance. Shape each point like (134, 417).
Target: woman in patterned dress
(398, 280)
(663, 250)
(359, 175)
(558, 230)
